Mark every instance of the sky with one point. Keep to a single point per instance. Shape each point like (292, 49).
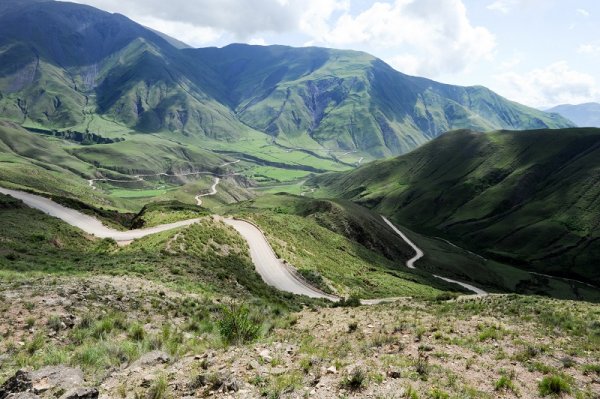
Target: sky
(538, 52)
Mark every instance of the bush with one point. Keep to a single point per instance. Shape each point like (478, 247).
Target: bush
(554, 385)
(352, 327)
(351, 302)
(237, 326)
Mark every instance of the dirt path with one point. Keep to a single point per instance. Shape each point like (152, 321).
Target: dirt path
(213, 191)
(411, 262)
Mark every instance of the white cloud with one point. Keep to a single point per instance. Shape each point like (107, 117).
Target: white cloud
(195, 36)
(583, 12)
(258, 41)
(503, 6)
(589, 48)
(510, 63)
(241, 18)
(545, 87)
(426, 37)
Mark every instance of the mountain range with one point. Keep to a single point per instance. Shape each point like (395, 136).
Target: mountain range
(584, 115)
(63, 65)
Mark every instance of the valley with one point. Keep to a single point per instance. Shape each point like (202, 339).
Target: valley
(281, 222)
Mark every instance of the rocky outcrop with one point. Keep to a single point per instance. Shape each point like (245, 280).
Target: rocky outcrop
(52, 382)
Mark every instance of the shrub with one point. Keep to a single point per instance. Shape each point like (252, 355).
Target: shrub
(352, 301)
(554, 385)
(237, 326)
(352, 327)
(54, 323)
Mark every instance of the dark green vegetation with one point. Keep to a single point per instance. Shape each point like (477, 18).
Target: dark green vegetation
(584, 115)
(529, 199)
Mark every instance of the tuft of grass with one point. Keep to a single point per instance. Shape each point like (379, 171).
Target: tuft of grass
(554, 385)
(158, 390)
(237, 325)
(137, 332)
(591, 369)
(505, 383)
(356, 381)
(436, 393)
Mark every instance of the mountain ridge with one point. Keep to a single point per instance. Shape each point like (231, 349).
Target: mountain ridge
(584, 115)
(56, 76)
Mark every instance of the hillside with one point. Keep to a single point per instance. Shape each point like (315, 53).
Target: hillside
(525, 198)
(165, 315)
(348, 100)
(66, 65)
(584, 115)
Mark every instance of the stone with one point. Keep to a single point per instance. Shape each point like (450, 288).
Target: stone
(151, 359)
(331, 370)
(81, 393)
(56, 377)
(20, 382)
(265, 355)
(253, 365)
(23, 395)
(394, 374)
(52, 379)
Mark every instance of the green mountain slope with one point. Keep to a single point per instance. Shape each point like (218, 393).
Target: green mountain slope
(347, 100)
(64, 65)
(527, 198)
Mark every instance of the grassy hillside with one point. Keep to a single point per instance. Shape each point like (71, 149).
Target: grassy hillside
(526, 198)
(352, 247)
(345, 101)
(60, 167)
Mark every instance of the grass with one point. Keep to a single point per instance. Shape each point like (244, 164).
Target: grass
(554, 385)
(355, 381)
(295, 231)
(238, 326)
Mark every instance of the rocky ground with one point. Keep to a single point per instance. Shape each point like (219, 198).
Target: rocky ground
(125, 337)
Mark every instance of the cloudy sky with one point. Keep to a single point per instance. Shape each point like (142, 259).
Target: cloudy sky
(538, 52)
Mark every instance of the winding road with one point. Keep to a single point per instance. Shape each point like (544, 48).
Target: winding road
(273, 271)
(88, 223)
(213, 191)
(411, 262)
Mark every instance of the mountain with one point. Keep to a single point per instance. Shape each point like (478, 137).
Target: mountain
(350, 100)
(529, 198)
(63, 64)
(584, 115)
